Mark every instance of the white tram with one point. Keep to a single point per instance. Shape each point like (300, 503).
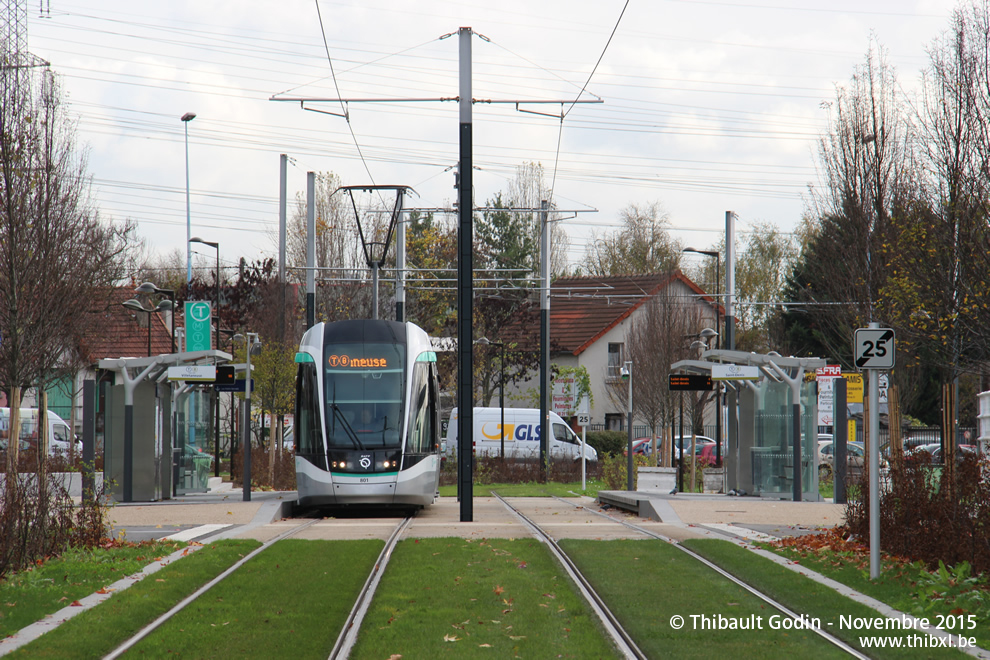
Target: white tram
(367, 422)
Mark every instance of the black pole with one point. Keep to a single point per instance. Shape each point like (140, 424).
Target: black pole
(89, 440)
(216, 395)
(501, 397)
(840, 433)
(465, 288)
(680, 455)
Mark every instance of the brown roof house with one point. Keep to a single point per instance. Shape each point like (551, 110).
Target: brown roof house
(590, 318)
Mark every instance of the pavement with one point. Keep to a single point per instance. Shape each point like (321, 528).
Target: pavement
(223, 513)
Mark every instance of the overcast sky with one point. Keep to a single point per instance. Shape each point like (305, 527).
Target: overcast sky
(708, 106)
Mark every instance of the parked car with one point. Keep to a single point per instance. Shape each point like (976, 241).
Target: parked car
(684, 443)
(925, 452)
(962, 453)
(855, 459)
(708, 452)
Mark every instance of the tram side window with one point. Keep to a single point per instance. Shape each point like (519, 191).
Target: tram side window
(307, 411)
(421, 431)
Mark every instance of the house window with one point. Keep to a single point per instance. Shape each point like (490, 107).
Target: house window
(614, 421)
(613, 371)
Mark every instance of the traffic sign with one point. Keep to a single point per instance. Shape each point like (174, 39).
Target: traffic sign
(873, 348)
(584, 419)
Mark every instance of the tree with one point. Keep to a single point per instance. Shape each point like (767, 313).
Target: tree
(274, 378)
(660, 335)
(55, 251)
(867, 177)
(644, 245)
(761, 274)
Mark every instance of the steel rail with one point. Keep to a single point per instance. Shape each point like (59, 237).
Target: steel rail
(759, 594)
(612, 625)
(181, 605)
(348, 634)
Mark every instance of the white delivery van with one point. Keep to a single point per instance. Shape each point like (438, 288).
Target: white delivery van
(522, 435)
(59, 435)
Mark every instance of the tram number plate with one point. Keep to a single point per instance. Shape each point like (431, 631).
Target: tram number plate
(365, 480)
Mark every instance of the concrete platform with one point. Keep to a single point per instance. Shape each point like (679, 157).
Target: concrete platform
(225, 515)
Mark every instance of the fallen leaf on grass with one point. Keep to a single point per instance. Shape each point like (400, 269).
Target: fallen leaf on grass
(394, 656)
(516, 638)
(499, 590)
(451, 638)
(485, 646)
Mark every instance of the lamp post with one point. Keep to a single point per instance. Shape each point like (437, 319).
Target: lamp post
(626, 374)
(501, 387)
(253, 343)
(216, 395)
(718, 388)
(148, 287)
(135, 305)
(186, 118)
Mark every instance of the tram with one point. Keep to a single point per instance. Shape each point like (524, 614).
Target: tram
(367, 420)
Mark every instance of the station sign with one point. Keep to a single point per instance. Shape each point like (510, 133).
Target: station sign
(198, 327)
(191, 372)
(735, 372)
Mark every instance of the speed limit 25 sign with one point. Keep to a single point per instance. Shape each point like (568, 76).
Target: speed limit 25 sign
(873, 348)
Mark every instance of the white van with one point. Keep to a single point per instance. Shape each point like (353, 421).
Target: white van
(59, 435)
(522, 435)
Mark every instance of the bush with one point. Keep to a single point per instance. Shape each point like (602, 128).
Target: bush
(493, 470)
(615, 470)
(608, 442)
(930, 514)
(40, 519)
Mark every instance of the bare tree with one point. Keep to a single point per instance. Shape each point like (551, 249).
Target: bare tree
(867, 175)
(661, 334)
(643, 245)
(55, 252)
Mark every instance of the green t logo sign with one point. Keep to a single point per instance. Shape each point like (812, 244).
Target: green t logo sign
(198, 330)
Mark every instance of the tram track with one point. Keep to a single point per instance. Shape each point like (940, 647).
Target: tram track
(613, 626)
(349, 631)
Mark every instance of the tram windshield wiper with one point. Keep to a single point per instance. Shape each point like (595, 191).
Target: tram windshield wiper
(339, 414)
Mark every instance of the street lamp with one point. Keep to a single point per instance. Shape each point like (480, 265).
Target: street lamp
(216, 395)
(148, 287)
(135, 305)
(186, 118)
(253, 344)
(626, 375)
(718, 388)
(501, 386)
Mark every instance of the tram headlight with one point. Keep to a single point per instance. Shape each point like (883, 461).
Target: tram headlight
(385, 464)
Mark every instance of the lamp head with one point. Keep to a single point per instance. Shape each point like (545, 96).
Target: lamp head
(189, 116)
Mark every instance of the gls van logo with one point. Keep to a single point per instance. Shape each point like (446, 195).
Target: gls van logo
(522, 432)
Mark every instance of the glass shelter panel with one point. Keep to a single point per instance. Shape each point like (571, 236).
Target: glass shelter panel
(772, 451)
(194, 436)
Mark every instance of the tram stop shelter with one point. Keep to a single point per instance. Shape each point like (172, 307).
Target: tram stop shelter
(771, 435)
(158, 439)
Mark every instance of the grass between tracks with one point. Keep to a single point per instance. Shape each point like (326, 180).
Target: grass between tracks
(96, 632)
(47, 587)
(647, 583)
(804, 595)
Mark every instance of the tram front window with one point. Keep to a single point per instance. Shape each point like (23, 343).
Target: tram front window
(364, 394)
